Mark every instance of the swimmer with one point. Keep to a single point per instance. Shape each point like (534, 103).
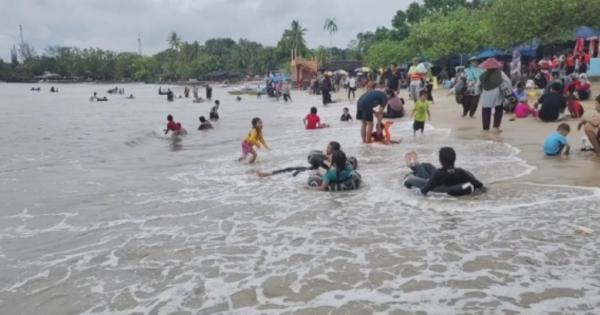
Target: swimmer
(254, 138)
(346, 115)
(238, 98)
(448, 175)
(94, 97)
(214, 114)
(420, 169)
(130, 96)
(340, 172)
(317, 161)
(174, 126)
(204, 124)
(313, 121)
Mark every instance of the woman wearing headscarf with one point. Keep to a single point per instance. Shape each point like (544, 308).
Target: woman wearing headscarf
(492, 97)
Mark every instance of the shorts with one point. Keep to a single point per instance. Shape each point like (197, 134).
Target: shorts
(247, 148)
(419, 125)
(364, 114)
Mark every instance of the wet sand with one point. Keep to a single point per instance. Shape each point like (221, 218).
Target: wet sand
(580, 168)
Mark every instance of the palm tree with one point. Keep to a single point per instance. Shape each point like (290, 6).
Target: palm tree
(331, 27)
(296, 34)
(174, 41)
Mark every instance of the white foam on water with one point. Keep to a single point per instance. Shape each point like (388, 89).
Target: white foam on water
(207, 235)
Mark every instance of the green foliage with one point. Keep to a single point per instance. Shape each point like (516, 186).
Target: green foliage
(461, 31)
(387, 52)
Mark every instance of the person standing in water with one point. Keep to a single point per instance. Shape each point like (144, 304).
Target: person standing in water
(174, 126)
(364, 110)
(470, 100)
(254, 138)
(208, 92)
(214, 112)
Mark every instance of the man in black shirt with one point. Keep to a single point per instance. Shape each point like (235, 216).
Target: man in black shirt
(450, 176)
(553, 103)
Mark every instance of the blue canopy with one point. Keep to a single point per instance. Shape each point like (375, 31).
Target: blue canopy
(529, 48)
(488, 52)
(586, 32)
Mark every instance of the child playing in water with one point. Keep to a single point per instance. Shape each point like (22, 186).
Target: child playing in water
(254, 138)
(420, 113)
(320, 162)
(174, 126)
(421, 170)
(591, 128)
(341, 171)
(204, 124)
(313, 121)
(214, 114)
(382, 133)
(556, 143)
(346, 115)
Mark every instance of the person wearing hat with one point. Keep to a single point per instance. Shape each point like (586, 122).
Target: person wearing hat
(470, 100)
(492, 98)
(416, 75)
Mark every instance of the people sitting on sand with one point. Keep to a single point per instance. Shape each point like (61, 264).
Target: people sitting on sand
(214, 111)
(395, 105)
(204, 124)
(313, 121)
(584, 89)
(574, 106)
(449, 176)
(553, 104)
(591, 128)
(346, 115)
(556, 143)
(174, 126)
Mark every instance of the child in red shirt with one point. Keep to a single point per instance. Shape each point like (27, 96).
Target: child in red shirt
(313, 121)
(174, 126)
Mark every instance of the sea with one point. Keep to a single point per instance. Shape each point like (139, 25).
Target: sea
(102, 213)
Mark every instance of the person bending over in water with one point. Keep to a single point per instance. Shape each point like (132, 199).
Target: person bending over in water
(313, 121)
(174, 126)
(214, 112)
(591, 128)
(316, 162)
(204, 124)
(448, 175)
(339, 172)
(254, 138)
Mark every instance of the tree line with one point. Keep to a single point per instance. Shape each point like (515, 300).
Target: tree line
(434, 29)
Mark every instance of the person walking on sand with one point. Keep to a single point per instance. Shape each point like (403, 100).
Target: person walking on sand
(470, 99)
(492, 98)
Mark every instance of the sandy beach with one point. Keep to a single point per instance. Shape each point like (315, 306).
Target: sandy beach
(527, 135)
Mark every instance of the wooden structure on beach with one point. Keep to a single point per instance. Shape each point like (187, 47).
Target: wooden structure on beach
(303, 70)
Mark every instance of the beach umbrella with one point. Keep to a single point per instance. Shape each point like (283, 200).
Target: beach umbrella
(341, 72)
(362, 69)
(490, 63)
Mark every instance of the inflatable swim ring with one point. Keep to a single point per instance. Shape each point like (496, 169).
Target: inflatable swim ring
(353, 182)
(455, 190)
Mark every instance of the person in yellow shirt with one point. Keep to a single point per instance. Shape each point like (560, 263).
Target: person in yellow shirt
(254, 138)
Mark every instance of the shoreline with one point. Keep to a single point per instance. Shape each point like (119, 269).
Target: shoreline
(526, 135)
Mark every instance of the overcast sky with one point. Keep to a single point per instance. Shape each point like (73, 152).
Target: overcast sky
(114, 24)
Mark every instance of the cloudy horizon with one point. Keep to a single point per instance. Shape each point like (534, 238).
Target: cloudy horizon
(114, 25)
